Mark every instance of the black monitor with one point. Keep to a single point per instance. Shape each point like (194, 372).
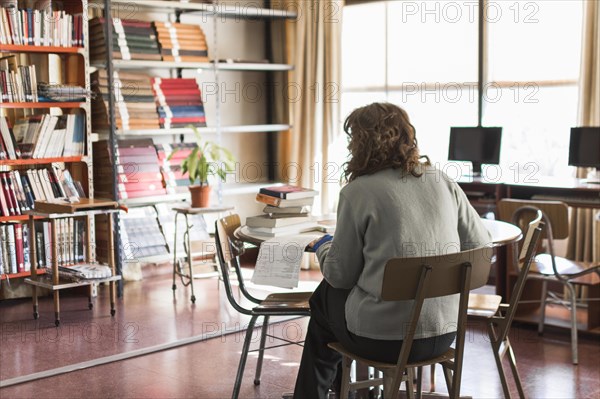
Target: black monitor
(584, 147)
(478, 145)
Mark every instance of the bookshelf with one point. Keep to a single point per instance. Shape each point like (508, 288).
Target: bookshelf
(221, 65)
(65, 64)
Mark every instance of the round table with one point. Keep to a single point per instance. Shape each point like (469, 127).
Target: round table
(502, 233)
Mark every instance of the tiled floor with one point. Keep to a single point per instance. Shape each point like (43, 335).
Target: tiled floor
(149, 314)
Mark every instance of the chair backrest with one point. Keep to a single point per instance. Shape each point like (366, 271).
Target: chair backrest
(555, 212)
(434, 276)
(530, 244)
(226, 228)
(229, 248)
(401, 274)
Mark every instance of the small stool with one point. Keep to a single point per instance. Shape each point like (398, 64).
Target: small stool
(178, 268)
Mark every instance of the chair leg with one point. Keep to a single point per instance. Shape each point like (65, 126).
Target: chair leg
(410, 390)
(496, 347)
(419, 382)
(573, 323)
(243, 357)
(448, 378)
(346, 366)
(390, 390)
(513, 365)
(261, 350)
(543, 307)
(432, 378)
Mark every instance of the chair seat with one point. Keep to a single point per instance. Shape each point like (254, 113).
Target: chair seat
(336, 346)
(288, 301)
(483, 305)
(542, 264)
(288, 296)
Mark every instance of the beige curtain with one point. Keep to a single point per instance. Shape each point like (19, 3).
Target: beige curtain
(314, 93)
(584, 237)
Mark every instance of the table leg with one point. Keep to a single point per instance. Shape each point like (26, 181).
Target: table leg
(189, 256)
(174, 286)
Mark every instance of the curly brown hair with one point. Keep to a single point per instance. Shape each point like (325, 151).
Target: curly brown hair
(381, 137)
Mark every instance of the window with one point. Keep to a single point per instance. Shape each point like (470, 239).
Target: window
(423, 56)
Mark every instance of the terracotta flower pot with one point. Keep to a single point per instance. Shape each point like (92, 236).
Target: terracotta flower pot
(200, 196)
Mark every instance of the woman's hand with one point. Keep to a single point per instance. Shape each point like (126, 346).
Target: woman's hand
(313, 242)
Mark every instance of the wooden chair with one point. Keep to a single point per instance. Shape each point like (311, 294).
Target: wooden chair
(416, 279)
(283, 304)
(549, 267)
(499, 316)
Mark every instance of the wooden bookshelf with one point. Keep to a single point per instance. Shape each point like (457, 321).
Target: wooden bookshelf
(20, 275)
(74, 69)
(17, 48)
(41, 161)
(42, 105)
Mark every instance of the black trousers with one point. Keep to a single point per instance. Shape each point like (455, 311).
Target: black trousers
(320, 365)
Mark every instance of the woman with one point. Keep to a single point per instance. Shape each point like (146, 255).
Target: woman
(394, 205)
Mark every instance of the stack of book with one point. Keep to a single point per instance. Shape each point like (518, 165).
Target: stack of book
(179, 102)
(181, 42)
(138, 168)
(20, 189)
(42, 136)
(40, 26)
(132, 40)
(174, 179)
(134, 101)
(286, 211)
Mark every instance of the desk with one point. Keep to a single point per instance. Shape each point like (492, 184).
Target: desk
(503, 234)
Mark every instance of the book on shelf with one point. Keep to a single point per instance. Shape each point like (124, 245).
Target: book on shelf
(42, 136)
(18, 82)
(179, 102)
(288, 192)
(22, 188)
(181, 42)
(14, 248)
(40, 26)
(132, 40)
(279, 202)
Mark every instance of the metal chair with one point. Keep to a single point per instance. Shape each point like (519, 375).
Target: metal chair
(549, 267)
(416, 279)
(282, 304)
(499, 316)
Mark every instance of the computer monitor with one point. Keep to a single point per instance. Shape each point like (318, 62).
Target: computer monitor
(584, 148)
(478, 145)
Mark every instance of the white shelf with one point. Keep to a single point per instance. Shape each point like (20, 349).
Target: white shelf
(204, 66)
(225, 10)
(203, 130)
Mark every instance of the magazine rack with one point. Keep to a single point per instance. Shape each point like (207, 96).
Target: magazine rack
(53, 212)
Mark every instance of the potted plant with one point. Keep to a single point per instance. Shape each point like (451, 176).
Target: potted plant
(207, 159)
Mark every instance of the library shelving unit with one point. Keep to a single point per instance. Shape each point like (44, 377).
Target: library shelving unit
(173, 10)
(74, 62)
(54, 281)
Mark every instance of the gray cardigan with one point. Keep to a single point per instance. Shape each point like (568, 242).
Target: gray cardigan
(387, 215)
